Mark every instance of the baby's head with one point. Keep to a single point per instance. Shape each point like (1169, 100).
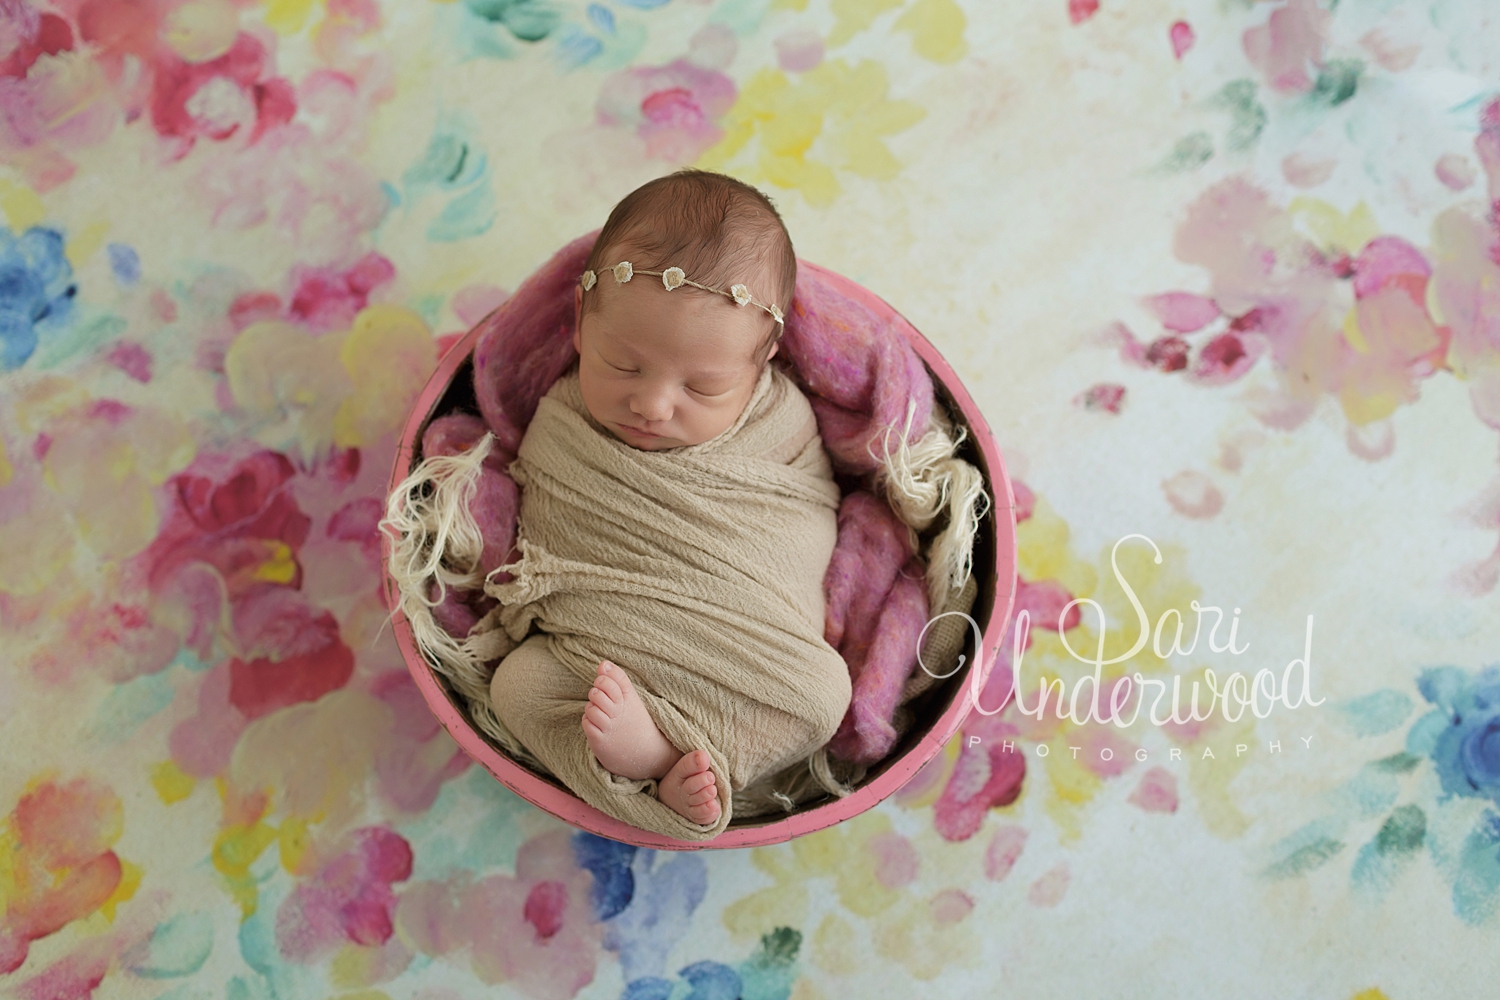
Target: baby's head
(682, 363)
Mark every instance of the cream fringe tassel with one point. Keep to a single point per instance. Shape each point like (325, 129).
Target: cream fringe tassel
(435, 541)
(921, 481)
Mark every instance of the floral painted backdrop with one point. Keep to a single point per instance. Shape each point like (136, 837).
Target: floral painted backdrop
(1223, 275)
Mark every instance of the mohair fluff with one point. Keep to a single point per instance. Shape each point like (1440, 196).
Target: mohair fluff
(905, 535)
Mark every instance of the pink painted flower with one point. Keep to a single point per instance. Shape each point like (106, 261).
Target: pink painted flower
(537, 930)
(233, 515)
(1292, 38)
(674, 108)
(986, 775)
(31, 34)
(348, 901)
(60, 867)
(327, 298)
(306, 177)
(217, 98)
(408, 772)
(53, 106)
(1286, 299)
(290, 652)
(1157, 791)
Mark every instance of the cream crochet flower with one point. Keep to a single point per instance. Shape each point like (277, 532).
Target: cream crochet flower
(673, 277)
(623, 271)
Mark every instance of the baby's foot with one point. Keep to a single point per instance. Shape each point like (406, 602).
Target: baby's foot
(689, 789)
(620, 730)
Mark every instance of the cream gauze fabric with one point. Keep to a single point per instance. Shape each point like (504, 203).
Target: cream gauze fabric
(698, 570)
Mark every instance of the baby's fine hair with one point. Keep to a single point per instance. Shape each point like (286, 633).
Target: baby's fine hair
(719, 230)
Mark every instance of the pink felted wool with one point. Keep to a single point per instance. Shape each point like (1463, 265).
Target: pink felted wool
(862, 378)
(877, 605)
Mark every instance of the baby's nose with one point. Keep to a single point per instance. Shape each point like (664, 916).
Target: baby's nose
(652, 406)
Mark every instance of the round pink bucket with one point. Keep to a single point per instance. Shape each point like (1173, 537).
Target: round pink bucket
(941, 710)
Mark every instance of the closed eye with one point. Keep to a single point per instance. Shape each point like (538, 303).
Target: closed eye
(709, 395)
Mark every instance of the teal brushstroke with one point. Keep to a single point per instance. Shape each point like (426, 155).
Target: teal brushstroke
(1374, 713)
(1370, 792)
(527, 20)
(1305, 859)
(743, 17)
(429, 307)
(1190, 152)
(1478, 876)
(1306, 848)
(1443, 686)
(470, 214)
(1403, 831)
(770, 972)
(473, 825)
(643, 4)
(249, 988)
(602, 18)
(455, 165)
(1337, 82)
(621, 48)
(188, 660)
(1396, 763)
(1422, 737)
(257, 941)
(1381, 861)
(129, 705)
(83, 337)
(179, 947)
(485, 41)
(187, 992)
(1247, 116)
(576, 47)
(449, 162)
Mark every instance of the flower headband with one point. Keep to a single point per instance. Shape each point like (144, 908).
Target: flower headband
(674, 277)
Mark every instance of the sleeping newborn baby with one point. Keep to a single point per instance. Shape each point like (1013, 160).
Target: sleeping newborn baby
(677, 518)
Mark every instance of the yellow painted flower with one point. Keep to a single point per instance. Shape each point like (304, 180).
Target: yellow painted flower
(834, 117)
(877, 878)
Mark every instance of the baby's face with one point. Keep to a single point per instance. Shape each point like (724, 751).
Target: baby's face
(665, 369)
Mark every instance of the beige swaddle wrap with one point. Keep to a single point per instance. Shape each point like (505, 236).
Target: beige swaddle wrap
(698, 570)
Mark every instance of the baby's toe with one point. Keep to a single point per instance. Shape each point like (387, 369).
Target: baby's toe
(703, 795)
(610, 687)
(617, 676)
(595, 716)
(698, 781)
(602, 701)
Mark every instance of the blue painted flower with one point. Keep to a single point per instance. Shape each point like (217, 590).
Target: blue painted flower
(36, 291)
(1462, 732)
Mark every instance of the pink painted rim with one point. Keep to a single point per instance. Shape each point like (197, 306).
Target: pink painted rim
(561, 803)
